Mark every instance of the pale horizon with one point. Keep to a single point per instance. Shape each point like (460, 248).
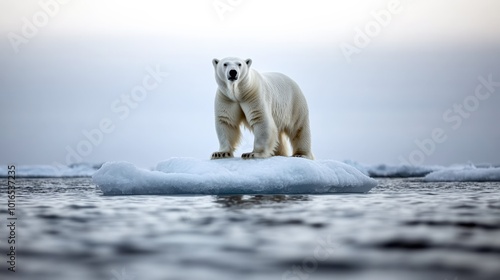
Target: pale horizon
(372, 107)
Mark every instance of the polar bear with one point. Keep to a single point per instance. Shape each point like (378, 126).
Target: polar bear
(271, 105)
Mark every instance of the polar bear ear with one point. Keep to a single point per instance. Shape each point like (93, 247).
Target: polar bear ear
(215, 61)
(248, 62)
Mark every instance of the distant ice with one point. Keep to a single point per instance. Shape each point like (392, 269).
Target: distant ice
(459, 172)
(275, 175)
(462, 172)
(468, 173)
(52, 171)
(403, 171)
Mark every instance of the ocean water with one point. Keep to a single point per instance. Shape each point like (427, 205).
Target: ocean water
(402, 229)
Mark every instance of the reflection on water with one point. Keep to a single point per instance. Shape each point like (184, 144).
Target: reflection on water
(257, 200)
(403, 229)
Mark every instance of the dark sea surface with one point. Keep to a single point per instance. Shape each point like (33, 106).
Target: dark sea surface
(402, 229)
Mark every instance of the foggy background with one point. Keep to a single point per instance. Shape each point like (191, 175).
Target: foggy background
(372, 108)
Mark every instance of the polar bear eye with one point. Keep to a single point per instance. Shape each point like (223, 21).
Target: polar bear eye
(239, 64)
(225, 64)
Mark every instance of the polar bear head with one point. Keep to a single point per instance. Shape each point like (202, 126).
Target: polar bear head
(231, 69)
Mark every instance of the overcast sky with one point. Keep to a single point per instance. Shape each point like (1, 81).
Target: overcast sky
(386, 81)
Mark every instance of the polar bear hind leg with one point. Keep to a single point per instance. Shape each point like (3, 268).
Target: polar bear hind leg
(301, 143)
(282, 148)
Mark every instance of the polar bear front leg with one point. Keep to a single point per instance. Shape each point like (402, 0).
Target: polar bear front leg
(228, 117)
(265, 140)
(229, 137)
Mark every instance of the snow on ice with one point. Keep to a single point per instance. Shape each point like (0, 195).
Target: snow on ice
(275, 175)
(464, 174)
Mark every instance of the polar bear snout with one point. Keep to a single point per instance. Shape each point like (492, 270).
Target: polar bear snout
(233, 75)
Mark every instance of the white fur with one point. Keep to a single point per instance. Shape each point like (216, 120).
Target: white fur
(271, 105)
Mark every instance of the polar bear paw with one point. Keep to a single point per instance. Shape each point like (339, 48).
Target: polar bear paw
(219, 155)
(253, 155)
(301, 156)
(306, 156)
